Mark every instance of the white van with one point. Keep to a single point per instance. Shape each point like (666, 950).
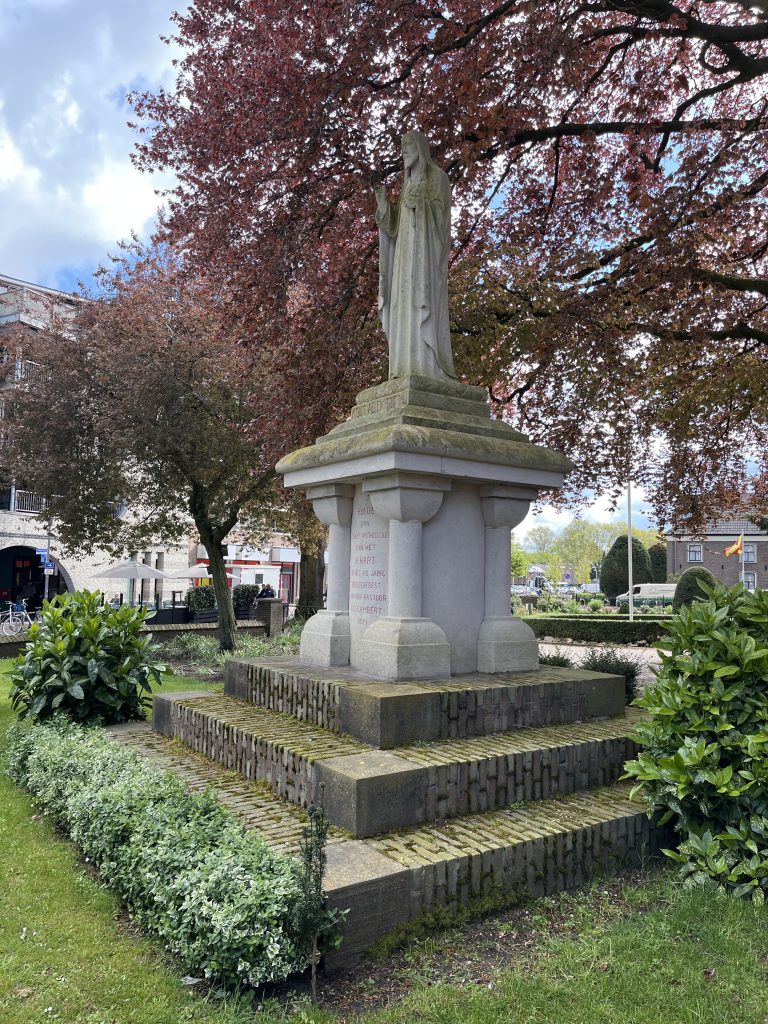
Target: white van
(650, 594)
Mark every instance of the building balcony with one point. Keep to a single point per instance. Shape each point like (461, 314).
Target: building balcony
(13, 500)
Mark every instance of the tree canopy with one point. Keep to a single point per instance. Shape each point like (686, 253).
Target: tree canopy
(614, 575)
(609, 273)
(141, 420)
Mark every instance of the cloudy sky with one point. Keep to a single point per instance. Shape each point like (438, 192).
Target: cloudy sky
(68, 190)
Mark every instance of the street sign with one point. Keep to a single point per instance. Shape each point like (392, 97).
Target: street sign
(49, 565)
(41, 551)
(567, 577)
(49, 572)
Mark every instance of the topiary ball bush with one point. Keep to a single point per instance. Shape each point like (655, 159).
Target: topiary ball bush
(623, 608)
(688, 589)
(86, 660)
(704, 756)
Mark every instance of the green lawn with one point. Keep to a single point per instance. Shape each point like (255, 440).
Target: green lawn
(691, 957)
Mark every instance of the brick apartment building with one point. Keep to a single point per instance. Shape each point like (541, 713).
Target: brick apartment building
(686, 552)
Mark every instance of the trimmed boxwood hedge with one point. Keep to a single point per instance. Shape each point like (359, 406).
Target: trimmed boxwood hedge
(186, 868)
(601, 616)
(601, 629)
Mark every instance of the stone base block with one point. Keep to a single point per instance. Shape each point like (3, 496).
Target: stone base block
(388, 714)
(399, 648)
(325, 639)
(372, 792)
(506, 645)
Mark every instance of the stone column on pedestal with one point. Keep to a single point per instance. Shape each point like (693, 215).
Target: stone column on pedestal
(403, 644)
(325, 638)
(505, 643)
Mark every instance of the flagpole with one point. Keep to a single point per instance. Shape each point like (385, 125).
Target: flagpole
(629, 551)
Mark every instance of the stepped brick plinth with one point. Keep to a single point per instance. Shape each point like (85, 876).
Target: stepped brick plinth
(387, 715)
(366, 790)
(522, 851)
(439, 791)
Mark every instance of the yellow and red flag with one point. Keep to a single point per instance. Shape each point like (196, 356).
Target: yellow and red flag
(737, 548)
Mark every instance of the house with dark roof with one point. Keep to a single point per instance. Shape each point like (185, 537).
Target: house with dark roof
(708, 551)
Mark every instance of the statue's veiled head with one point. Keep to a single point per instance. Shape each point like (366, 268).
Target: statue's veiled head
(415, 150)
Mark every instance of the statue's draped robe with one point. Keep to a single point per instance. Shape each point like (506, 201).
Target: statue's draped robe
(413, 276)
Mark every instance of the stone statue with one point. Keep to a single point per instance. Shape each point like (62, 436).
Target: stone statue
(414, 240)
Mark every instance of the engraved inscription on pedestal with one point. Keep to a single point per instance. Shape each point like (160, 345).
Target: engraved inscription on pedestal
(368, 566)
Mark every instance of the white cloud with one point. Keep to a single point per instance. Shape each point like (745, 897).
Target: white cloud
(598, 510)
(68, 191)
(117, 197)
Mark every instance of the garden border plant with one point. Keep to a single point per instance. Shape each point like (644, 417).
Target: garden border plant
(187, 870)
(704, 756)
(598, 629)
(87, 660)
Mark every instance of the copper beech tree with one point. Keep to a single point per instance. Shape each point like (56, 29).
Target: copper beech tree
(608, 159)
(140, 420)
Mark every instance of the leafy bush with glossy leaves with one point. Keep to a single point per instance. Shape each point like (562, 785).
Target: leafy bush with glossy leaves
(704, 760)
(187, 870)
(86, 660)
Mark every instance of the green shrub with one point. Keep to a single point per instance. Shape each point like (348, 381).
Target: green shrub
(688, 589)
(704, 760)
(623, 608)
(657, 553)
(187, 870)
(244, 596)
(556, 660)
(614, 578)
(86, 660)
(594, 605)
(204, 650)
(201, 599)
(608, 659)
(596, 629)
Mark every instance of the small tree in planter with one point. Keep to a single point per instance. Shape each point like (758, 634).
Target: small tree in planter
(86, 660)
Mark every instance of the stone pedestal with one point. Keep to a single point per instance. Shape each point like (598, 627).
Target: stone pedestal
(420, 489)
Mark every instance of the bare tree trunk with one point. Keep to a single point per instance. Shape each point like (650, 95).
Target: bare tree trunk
(312, 569)
(218, 570)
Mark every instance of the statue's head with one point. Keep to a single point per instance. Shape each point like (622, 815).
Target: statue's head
(415, 150)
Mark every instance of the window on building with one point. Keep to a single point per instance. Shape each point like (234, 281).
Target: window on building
(750, 580)
(695, 552)
(750, 552)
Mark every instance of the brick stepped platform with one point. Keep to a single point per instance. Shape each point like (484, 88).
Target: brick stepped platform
(368, 791)
(387, 715)
(525, 850)
(441, 791)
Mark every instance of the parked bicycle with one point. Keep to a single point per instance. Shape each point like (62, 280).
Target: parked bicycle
(16, 618)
